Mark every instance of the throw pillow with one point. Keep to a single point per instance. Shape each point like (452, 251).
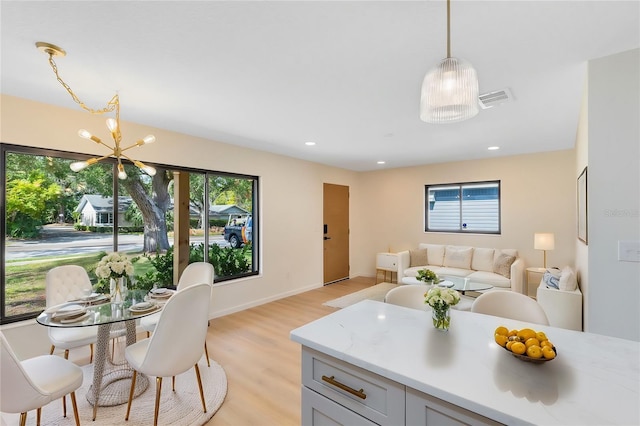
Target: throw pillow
(482, 259)
(435, 253)
(458, 257)
(502, 265)
(418, 257)
(568, 281)
(551, 277)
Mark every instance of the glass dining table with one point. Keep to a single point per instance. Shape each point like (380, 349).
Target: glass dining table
(111, 383)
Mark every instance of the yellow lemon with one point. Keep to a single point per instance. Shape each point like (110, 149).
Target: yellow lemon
(546, 343)
(531, 341)
(501, 339)
(541, 336)
(534, 351)
(502, 331)
(548, 353)
(526, 333)
(509, 343)
(518, 348)
(513, 333)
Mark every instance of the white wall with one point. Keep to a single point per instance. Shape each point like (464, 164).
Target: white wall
(537, 192)
(291, 243)
(614, 194)
(582, 159)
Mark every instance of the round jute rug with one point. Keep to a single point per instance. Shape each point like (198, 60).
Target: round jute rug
(182, 407)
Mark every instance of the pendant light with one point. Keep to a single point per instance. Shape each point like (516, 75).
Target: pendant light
(449, 90)
(113, 124)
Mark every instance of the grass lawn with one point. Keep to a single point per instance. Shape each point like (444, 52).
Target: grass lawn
(25, 279)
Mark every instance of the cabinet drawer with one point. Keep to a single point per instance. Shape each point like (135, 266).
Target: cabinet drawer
(378, 399)
(320, 411)
(387, 261)
(423, 409)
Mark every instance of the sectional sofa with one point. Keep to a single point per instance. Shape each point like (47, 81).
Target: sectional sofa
(501, 268)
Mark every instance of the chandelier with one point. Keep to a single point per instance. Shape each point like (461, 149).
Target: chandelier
(113, 124)
(449, 90)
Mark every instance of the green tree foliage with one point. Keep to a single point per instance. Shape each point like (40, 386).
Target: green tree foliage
(28, 202)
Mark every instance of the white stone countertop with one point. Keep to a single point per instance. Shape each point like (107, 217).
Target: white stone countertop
(594, 379)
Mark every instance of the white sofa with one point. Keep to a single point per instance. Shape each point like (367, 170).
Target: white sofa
(501, 268)
(563, 305)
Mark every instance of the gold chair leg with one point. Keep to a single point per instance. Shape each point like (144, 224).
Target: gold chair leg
(91, 356)
(64, 397)
(38, 416)
(52, 349)
(23, 419)
(133, 387)
(204, 405)
(148, 334)
(75, 408)
(173, 383)
(157, 410)
(206, 353)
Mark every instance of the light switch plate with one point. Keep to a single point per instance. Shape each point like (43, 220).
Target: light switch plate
(629, 251)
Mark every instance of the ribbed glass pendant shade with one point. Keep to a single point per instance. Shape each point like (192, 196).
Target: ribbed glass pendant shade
(449, 92)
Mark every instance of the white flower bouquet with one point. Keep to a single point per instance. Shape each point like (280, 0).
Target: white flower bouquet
(441, 299)
(114, 265)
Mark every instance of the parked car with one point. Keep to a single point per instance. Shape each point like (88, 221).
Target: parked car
(239, 230)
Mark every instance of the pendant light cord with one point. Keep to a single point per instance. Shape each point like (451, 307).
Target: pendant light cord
(448, 28)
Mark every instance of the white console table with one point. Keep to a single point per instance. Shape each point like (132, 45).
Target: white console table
(387, 262)
(410, 373)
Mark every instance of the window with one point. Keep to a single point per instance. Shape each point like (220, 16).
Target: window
(53, 216)
(467, 207)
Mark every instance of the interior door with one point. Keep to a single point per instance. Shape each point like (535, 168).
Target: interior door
(336, 233)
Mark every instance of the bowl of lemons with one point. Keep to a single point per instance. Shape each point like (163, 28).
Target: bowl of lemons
(526, 344)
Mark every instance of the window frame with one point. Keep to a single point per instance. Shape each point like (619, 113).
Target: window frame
(460, 186)
(37, 151)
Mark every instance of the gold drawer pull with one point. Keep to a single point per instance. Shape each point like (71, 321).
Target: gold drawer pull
(359, 393)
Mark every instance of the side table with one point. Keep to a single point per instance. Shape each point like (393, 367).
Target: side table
(532, 270)
(387, 262)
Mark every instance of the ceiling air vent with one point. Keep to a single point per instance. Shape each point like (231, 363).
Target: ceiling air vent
(491, 99)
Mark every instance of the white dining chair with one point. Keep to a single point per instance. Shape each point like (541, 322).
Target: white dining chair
(194, 273)
(64, 283)
(176, 344)
(33, 383)
(410, 296)
(509, 304)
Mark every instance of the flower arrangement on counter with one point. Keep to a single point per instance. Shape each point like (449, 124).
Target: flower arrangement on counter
(441, 299)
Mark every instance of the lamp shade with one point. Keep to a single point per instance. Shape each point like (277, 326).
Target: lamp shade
(543, 241)
(449, 92)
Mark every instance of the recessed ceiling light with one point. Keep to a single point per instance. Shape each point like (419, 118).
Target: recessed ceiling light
(493, 148)
(381, 162)
(309, 143)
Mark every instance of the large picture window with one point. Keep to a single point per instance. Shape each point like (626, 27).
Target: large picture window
(463, 207)
(53, 216)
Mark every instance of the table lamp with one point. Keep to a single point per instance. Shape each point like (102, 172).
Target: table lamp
(543, 241)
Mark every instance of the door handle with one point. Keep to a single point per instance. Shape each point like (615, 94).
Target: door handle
(327, 238)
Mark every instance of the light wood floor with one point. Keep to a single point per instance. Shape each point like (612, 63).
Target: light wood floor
(262, 364)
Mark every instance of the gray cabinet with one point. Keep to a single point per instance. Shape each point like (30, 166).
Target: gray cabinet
(337, 393)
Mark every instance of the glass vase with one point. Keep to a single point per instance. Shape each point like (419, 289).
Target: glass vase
(117, 289)
(441, 318)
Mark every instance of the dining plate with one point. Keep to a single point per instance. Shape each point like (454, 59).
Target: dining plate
(92, 296)
(160, 290)
(74, 319)
(447, 284)
(68, 311)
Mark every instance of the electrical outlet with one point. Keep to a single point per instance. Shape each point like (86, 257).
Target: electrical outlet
(629, 251)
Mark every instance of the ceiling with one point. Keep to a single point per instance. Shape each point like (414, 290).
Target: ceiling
(273, 75)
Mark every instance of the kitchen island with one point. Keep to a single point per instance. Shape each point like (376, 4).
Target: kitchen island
(379, 363)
